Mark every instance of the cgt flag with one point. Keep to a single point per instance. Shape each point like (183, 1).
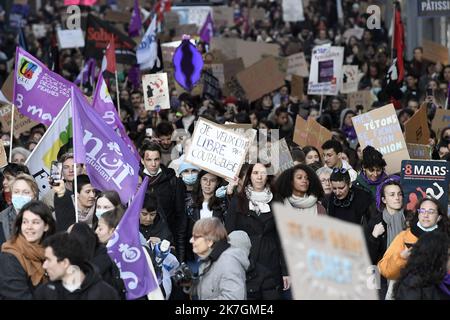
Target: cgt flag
(104, 106)
(109, 162)
(126, 250)
(98, 35)
(39, 93)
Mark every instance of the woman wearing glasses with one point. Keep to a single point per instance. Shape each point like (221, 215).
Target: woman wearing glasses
(300, 187)
(372, 173)
(251, 212)
(430, 217)
(347, 202)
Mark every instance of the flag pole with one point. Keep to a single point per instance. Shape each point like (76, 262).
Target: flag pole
(117, 92)
(11, 134)
(82, 68)
(75, 188)
(321, 104)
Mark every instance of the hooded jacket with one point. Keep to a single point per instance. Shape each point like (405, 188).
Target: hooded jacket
(92, 288)
(222, 274)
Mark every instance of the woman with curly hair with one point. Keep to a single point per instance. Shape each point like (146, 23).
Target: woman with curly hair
(301, 188)
(425, 274)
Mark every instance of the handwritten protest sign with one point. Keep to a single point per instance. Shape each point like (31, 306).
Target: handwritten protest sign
(416, 128)
(327, 258)
(297, 87)
(217, 150)
(21, 122)
(156, 91)
(435, 52)
(350, 79)
(380, 129)
(3, 160)
(363, 97)
(441, 120)
(296, 65)
(419, 151)
(326, 70)
(310, 133)
(425, 178)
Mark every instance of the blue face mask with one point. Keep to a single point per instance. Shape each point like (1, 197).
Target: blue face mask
(190, 179)
(221, 192)
(19, 201)
(99, 212)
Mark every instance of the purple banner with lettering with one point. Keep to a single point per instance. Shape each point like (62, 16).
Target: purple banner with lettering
(39, 93)
(126, 251)
(109, 163)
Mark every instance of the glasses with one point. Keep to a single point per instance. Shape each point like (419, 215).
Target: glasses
(208, 181)
(428, 212)
(325, 180)
(341, 170)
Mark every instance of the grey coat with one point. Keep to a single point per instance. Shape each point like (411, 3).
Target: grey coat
(225, 280)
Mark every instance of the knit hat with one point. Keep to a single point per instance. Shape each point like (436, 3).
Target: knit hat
(185, 166)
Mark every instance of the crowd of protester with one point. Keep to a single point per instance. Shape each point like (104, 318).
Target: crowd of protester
(225, 231)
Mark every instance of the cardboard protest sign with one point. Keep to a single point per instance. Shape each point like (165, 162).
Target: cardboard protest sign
(419, 151)
(425, 178)
(171, 20)
(416, 128)
(293, 10)
(21, 122)
(380, 129)
(217, 149)
(117, 16)
(211, 85)
(297, 87)
(8, 87)
(327, 258)
(350, 79)
(192, 14)
(268, 76)
(326, 70)
(217, 70)
(296, 65)
(3, 160)
(362, 97)
(223, 16)
(435, 52)
(156, 91)
(310, 133)
(70, 38)
(441, 121)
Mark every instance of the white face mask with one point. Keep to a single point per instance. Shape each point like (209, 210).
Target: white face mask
(99, 212)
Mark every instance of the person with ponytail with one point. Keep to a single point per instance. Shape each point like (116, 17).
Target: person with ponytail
(373, 170)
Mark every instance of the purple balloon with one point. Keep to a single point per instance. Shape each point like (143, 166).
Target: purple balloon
(188, 64)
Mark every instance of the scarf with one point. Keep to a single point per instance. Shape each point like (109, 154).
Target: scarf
(258, 201)
(445, 285)
(30, 256)
(152, 175)
(426, 229)
(395, 224)
(86, 215)
(306, 204)
(376, 182)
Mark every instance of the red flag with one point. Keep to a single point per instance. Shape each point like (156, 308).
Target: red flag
(399, 42)
(160, 7)
(109, 60)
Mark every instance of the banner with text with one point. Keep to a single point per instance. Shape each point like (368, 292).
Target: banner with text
(156, 91)
(326, 70)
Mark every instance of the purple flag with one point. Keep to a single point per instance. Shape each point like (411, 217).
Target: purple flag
(134, 76)
(135, 22)
(39, 93)
(87, 73)
(126, 250)
(110, 165)
(207, 31)
(104, 106)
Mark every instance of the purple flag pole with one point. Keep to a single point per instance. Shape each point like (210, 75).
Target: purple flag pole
(126, 251)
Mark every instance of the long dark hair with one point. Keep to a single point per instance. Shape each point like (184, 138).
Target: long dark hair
(197, 193)
(40, 209)
(284, 182)
(87, 237)
(242, 204)
(427, 264)
(308, 149)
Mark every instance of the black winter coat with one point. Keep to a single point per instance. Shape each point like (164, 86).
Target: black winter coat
(159, 229)
(92, 288)
(14, 281)
(164, 187)
(64, 211)
(266, 247)
(407, 291)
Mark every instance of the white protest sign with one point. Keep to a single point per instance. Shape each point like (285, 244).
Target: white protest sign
(70, 38)
(326, 70)
(327, 258)
(296, 65)
(217, 149)
(293, 10)
(192, 15)
(350, 79)
(156, 91)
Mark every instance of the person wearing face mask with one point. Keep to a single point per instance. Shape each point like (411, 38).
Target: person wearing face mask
(429, 216)
(373, 170)
(23, 190)
(9, 173)
(22, 256)
(106, 201)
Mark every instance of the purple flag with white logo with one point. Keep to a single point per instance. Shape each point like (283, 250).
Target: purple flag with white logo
(126, 251)
(136, 21)
(207, 31)
(109, 162)
(104, 106)
(39, 93)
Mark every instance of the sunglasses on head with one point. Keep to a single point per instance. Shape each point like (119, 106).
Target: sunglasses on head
(341, 170)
